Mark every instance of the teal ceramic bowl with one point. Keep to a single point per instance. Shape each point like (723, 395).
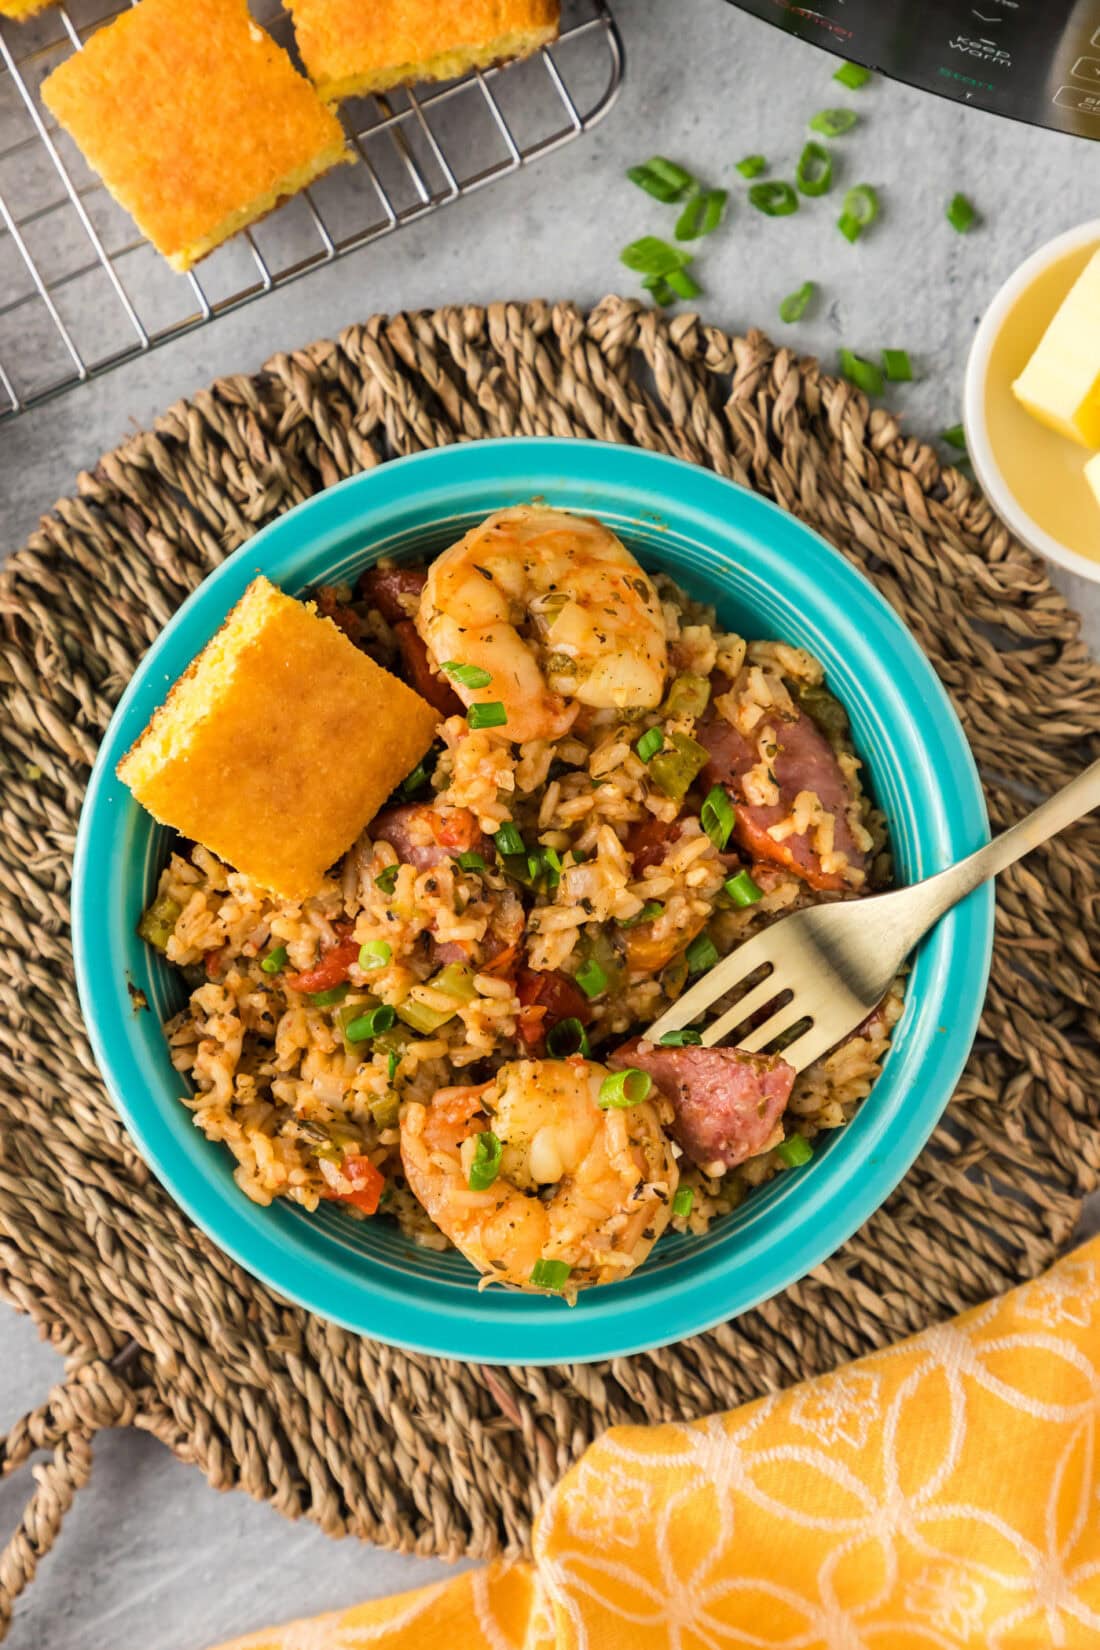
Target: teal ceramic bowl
(768, 576)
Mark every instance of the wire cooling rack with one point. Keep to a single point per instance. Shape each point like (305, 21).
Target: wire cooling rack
(81, 291)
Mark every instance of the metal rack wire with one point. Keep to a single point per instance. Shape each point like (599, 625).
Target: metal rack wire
(81, 292)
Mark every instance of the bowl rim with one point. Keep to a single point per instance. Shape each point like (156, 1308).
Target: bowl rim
(669, 1309)
(988, 472)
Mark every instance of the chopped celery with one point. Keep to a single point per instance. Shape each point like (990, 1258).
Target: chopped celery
(157, 923)
(385, 1109)
(673, 771)
(688, 696)
(455, 981)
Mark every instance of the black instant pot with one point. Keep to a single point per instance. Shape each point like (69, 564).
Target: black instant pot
(1033, 60)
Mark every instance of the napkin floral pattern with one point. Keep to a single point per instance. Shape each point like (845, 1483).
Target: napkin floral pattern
(940, 1494)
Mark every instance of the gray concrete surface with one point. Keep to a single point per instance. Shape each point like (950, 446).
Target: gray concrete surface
(151, 1555)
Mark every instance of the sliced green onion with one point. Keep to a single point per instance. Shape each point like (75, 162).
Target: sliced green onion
(673, 771)
(325, 999)
(393, 1060)
(508, 839)
(550, 1274)
(661, 178)
(650, 743)
(624, 1088)
(682, 1039)
(652, 908)
(488, 713)
(955, 437)
(681, 284)
(486, 1164)
(702, 215)
(814, 172)
(275, 960)
(371, 1023)
(701, 954)
(567, 1037)
(591, 977)
(415, 782)
(852, 75)
(471, 862)
(658, 287)
(795, 304)
(688, 696)
(833, 123)
(374, 954)
(775, 200)
(742, 890)
(387, 879)
(863, 374)
(716, 816)
(961, 214)
(860, 209)
(471, 676)
(897, 366)
(751, 166)
(682, 1202)
(794, 1151)
(550, 868)
(652, 256)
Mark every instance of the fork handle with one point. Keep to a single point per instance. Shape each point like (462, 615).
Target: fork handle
(946, 888)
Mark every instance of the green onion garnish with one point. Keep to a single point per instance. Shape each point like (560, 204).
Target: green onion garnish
(371, 1023)
(863, 374)
(775, 200)
(471, 676)
(814, 172)
(374, 954)
(392, 1064)
(860, 209)
(794, 1151)
(660, 290)
(716, 816)
(702, 215)
(550, 1274)
(591, 977)
(833, 123)
(701, 954)
(852, 75)
(387, 879)
(489, 713)
(650, 743)
(471, 862)
(624, 1088)
(751, 166)
(325, 999)
(795, 304)
(486, 1164)
(652, 908)
(275, 960)
(652, 256)
(508, 839)
(961, 214)
(415, 781)
(681, 284)
(742, 890)
(682, 1202)
(682, 1039)
(661, 178)
(567, 1037)
(897, 366)
(955, 437)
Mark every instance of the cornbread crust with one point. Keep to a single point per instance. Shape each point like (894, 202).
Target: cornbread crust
(197, 122)
(352, 47)
(278, 744)
(18, 10)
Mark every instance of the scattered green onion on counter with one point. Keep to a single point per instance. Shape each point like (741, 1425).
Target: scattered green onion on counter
(371, 1023)
(897, 366)
(567, 1037)
(814, 172)
(471, 676)
(955, 437)
(681, 284)
(859, 211)
(702, 215)
(374, 954)
(659, 290)
(624, 1088)
(863, 374)
(794, 1151)
(751, 166)
(387, 879)
(795, 304)
(486, 1164)
(852, 75)
(649, 744)
(275, 960)
(682, 1039)
(662, 179)
(833, 123)
(961, 214)
(716, 816)
(682, 1202)
(487, 713)
(652, 256)
(591, 977)
(774, 199)
(742, 890)
(701, 954)
(550, 1274)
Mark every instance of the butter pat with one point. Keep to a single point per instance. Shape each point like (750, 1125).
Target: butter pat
(1060, 386)
(1092, 475)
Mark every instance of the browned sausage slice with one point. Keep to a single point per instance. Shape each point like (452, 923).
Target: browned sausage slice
(727, 1102)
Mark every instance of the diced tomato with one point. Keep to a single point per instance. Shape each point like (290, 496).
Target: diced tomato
(367, 1184)
(529, 1024)
(417, 670)
(383, 587)
(545, 998)
(330, 971)
(648, 841)
(212, 962)
(329, 603)
(458, 831)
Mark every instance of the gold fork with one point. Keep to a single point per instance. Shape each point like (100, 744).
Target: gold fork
(831, 964)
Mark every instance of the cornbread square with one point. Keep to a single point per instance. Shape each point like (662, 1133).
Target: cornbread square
(278, 744)
(351, 47)
(19, 9)
(197, 122)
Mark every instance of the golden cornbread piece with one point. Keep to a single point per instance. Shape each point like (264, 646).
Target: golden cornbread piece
(351, 47)
(278, 744)
(20, 9)
(197, 122)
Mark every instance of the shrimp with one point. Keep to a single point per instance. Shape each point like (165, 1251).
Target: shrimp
(577, 1184)
(557, 612)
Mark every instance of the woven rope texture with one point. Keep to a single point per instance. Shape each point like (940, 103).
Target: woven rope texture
(162, 1331)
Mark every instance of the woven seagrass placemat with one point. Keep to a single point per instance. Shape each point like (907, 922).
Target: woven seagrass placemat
(163, 1332)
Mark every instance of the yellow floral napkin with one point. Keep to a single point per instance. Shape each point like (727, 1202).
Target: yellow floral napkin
(943, 1493)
